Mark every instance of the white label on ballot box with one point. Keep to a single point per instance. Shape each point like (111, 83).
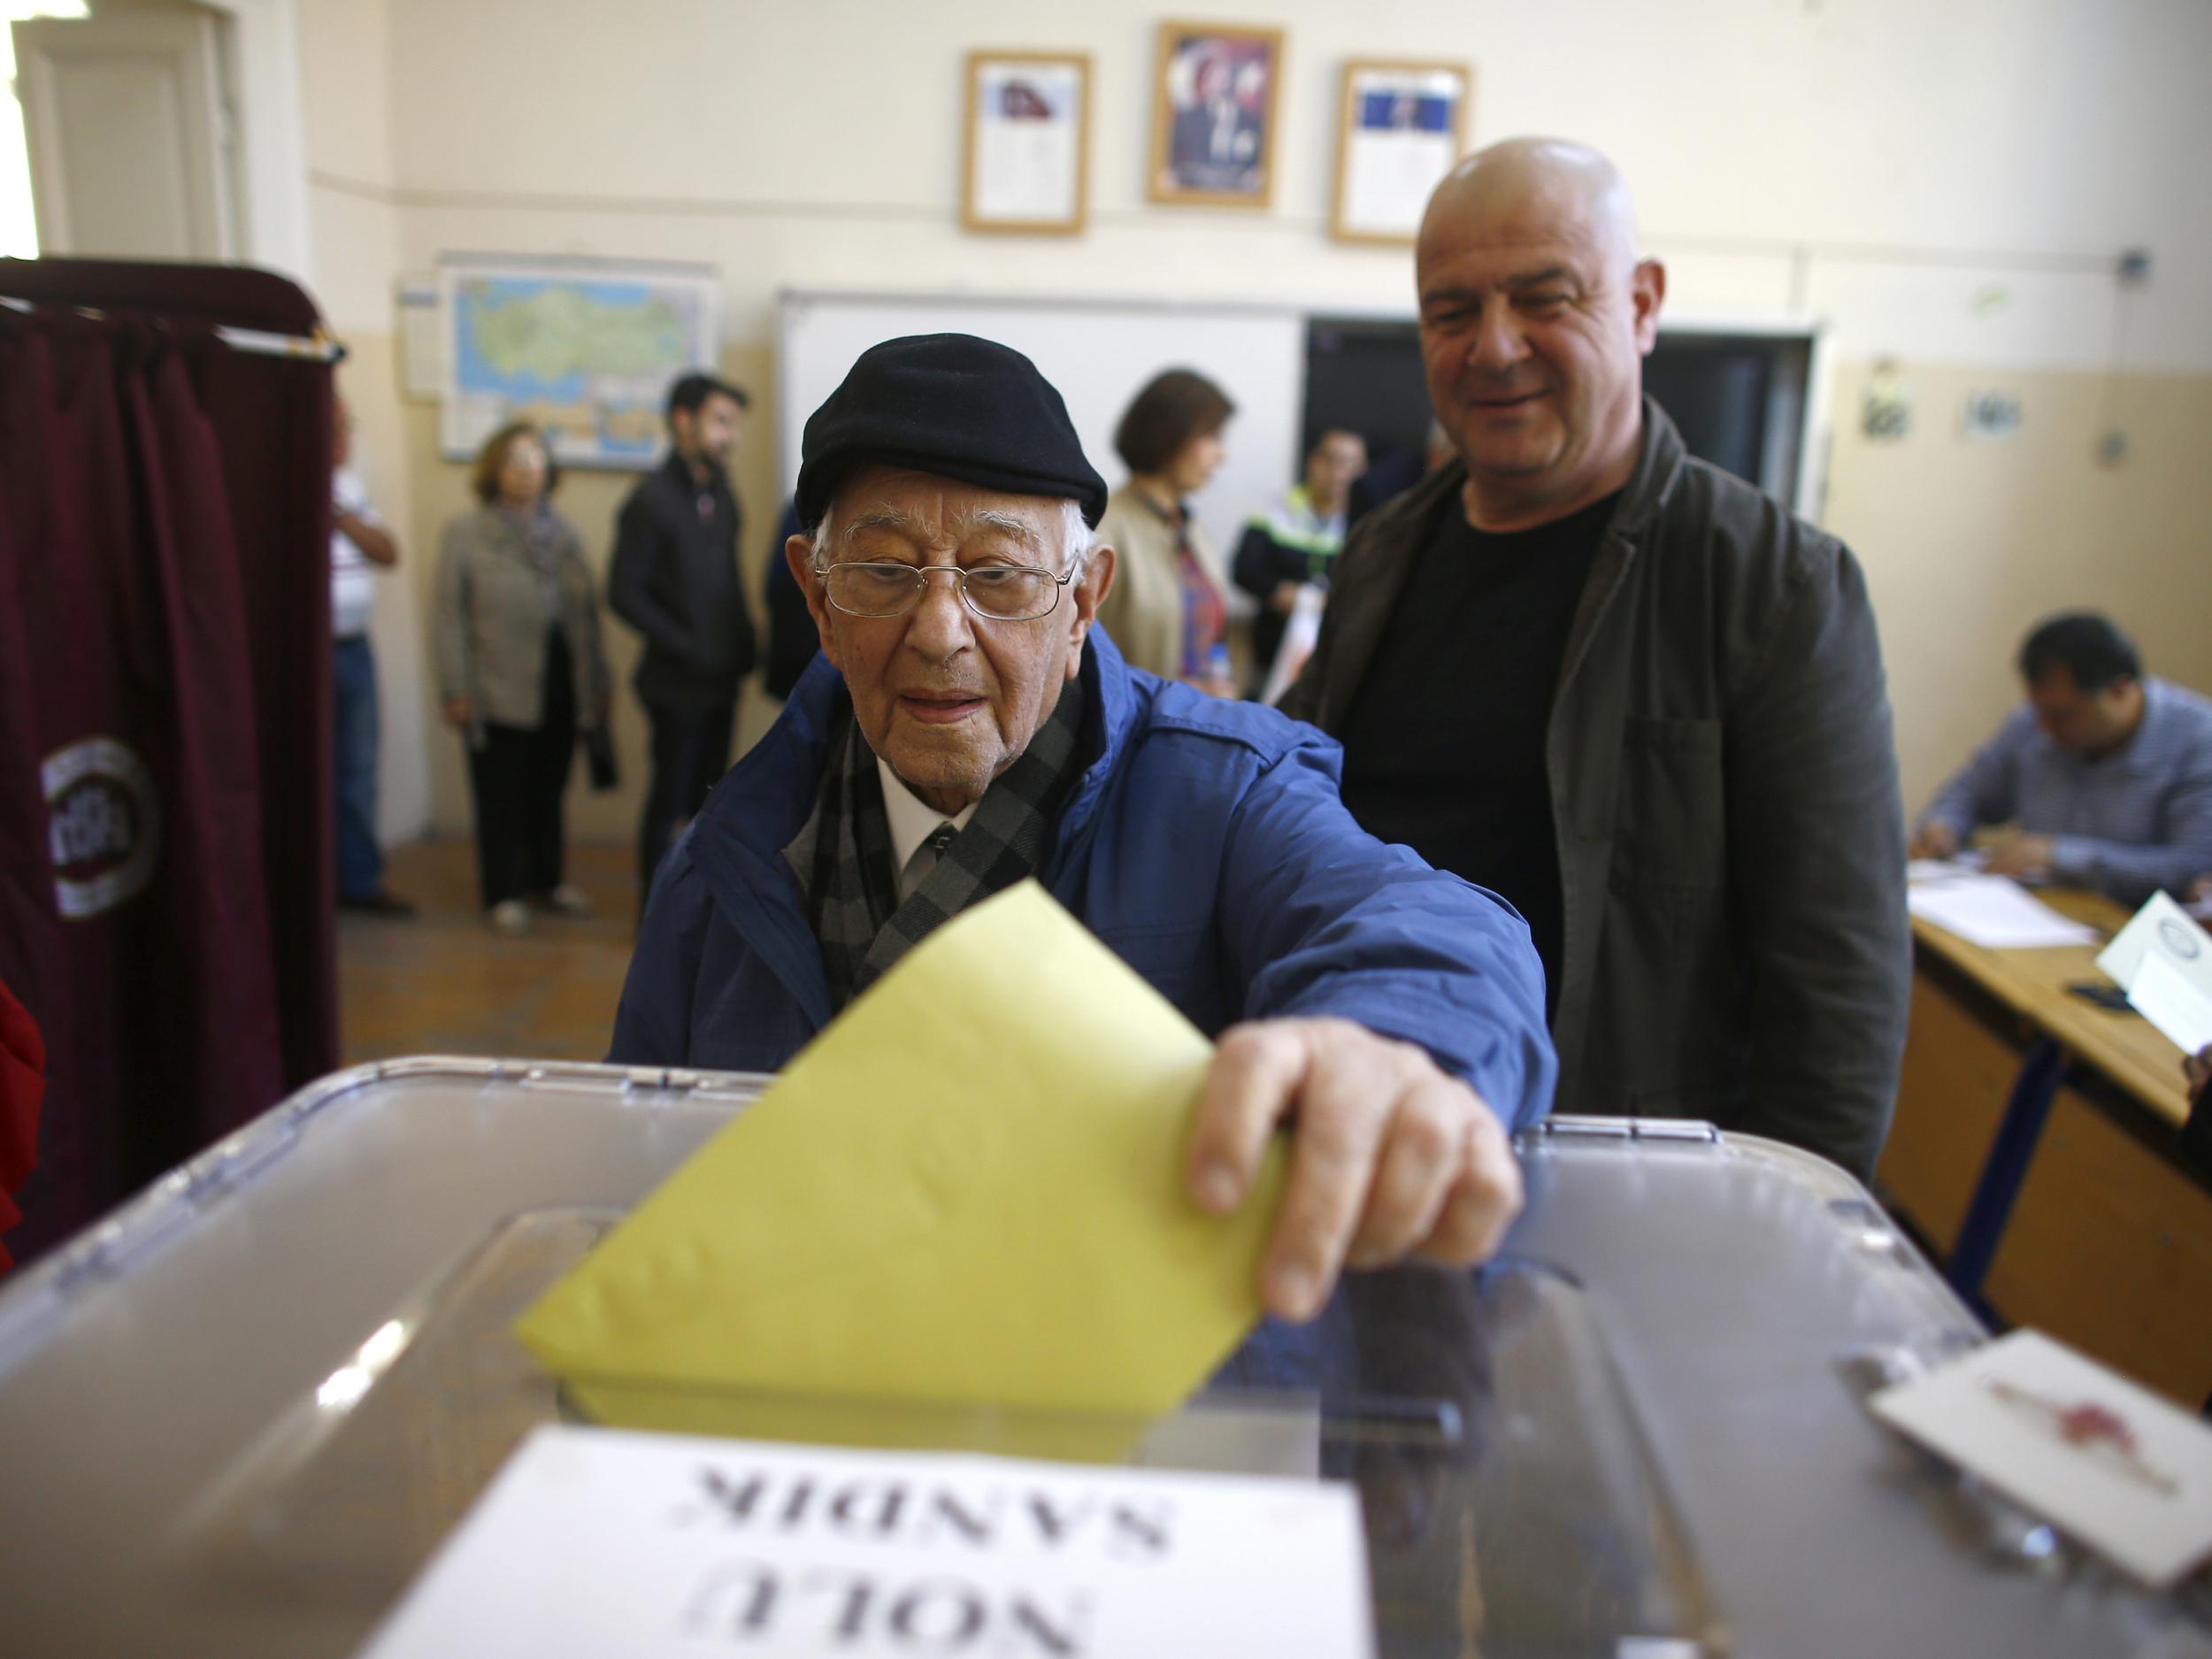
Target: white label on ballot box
(598, 1542)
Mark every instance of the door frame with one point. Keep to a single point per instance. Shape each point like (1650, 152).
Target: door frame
(274, 228)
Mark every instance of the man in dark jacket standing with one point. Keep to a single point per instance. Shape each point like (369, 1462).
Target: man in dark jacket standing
(675, 581)
(1624, 690)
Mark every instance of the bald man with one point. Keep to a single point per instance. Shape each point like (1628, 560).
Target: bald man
(1624, 690)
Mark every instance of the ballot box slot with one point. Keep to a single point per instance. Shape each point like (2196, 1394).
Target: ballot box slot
(1585, 1129)
(1684, 1131)
(1382, 1420)
(441, 1066)
(1674, 1129)
(642, 1088)
(736, 1089)
(644, 1084)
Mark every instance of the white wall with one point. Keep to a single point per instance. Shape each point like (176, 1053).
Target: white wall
(1910, 150)
(1947, 183)
(346, 78)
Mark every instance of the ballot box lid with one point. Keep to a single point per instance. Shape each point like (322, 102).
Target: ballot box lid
(240, 1415)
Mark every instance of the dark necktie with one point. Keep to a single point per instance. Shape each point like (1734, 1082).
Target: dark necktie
(926, 854)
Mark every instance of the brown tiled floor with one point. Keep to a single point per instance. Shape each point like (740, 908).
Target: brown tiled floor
(443, 983)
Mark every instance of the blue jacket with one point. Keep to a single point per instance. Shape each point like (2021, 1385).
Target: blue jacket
(1206, 845)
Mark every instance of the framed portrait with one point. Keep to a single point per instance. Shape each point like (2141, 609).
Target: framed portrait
(1027, 155)
(1402, 126)
(1213, 115)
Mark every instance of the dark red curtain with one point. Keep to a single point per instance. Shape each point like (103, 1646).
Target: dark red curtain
(166, 904)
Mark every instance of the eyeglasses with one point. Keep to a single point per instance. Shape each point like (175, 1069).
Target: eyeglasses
(996, 593)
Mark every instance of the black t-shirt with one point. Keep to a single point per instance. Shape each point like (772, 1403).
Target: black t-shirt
(1444, 742)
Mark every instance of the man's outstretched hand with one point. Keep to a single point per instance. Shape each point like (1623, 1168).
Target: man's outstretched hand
(1390, 1156)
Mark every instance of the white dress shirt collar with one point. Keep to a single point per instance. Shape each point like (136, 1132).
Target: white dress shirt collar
(912, 821)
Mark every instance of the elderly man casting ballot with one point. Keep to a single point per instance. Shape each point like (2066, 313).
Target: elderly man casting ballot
(966, 725)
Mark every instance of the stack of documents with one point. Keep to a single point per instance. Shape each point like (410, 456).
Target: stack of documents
(1994, 912)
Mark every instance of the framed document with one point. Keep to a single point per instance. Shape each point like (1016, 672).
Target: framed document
(1404, 126)
(1028, 142)
(1213, 115)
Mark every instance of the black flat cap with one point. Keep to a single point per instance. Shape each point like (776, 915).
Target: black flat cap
(954, 405)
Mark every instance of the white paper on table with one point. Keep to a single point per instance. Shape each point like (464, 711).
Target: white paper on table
(2127, 1472)
(597, 1541)
(2163, 996)
(2161, 927)
(1994, 912)
(1965, 864)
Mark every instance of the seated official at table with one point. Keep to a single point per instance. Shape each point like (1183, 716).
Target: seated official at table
(2104, 777)
(967, 726)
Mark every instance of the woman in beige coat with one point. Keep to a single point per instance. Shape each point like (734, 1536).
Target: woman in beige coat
(1168, 609)
(519, 670)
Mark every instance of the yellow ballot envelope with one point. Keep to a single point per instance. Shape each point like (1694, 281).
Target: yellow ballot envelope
(966, 1193)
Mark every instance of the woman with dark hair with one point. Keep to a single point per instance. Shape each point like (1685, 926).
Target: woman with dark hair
(1167, 609)
(520, 670)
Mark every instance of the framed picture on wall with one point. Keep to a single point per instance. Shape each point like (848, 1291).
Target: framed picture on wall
(1028, 149)
(1213, 115)
(1402, 126)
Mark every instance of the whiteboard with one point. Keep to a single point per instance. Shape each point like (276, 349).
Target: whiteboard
(1099, 353)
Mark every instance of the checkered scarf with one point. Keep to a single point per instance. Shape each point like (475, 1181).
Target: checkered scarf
(843, 858)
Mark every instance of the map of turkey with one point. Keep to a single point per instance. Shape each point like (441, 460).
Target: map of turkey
(587, 359)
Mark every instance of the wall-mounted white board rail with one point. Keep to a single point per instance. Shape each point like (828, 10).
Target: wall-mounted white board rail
(1099, 353)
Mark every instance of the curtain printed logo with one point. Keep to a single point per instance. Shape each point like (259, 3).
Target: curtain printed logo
(104, 822)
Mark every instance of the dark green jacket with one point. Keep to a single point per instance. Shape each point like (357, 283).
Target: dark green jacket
(1731, 838)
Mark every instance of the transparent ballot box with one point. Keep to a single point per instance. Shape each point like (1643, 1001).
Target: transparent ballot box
(241, 1415)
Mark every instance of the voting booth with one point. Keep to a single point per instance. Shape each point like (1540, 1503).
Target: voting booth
(241, 1415)
(165, 898)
